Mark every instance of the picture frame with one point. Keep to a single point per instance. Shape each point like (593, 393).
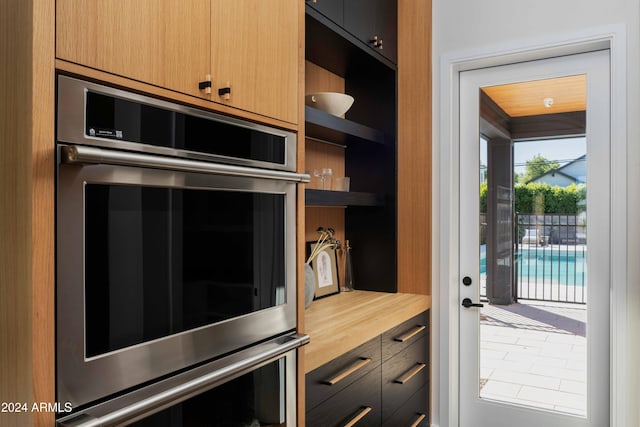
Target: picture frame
(325, 271)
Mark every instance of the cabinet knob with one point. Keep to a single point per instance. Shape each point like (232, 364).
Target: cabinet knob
(376, 42)
(206, 84)
(225, 92)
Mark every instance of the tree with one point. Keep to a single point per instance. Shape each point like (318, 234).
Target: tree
(538, 166)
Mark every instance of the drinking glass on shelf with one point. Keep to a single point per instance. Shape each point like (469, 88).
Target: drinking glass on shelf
(325, 177)
(341, 184)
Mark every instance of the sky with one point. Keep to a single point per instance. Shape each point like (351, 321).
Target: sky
(561, 150)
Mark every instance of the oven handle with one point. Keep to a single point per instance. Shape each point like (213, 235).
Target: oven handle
(157, 397)
(75, 154)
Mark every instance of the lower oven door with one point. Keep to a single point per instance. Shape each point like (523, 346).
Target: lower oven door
(165, 263)
(255, 387)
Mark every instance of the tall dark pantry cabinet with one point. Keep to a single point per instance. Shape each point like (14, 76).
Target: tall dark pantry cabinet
(368, 132)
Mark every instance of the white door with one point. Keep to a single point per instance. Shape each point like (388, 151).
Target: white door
(512, 379)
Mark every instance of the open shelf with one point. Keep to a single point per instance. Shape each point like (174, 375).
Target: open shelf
(342, 198)
(329, 128)
(368, 135)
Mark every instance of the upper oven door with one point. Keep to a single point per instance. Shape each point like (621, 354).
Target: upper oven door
(162, 269)
(102, 116)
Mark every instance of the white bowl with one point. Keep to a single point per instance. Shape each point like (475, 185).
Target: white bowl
(330, 102)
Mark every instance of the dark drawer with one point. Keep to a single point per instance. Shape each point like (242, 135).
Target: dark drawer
(360, 399)
(403, 375)
(414, 413)
(397, 339)
(334, 376)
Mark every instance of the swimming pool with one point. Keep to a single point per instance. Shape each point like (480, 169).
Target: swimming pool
(560, 267)
(565, 265)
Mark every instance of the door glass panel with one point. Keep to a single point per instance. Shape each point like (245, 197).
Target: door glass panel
(165, 260)
(253, 399)
(533, 257)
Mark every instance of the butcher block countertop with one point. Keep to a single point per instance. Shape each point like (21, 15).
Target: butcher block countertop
(342, 322)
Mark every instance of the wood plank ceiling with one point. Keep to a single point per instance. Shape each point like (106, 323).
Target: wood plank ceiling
(569, 94)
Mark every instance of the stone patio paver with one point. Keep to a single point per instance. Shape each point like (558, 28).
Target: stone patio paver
(534, 355)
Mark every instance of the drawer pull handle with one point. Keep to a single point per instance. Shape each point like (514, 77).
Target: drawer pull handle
(350, 370)
(419, 420)
(412, 373)
(358, 417)
(206, 84)
(412, 333)
(225, 92)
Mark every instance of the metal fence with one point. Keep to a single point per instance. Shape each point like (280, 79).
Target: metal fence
(550, 258)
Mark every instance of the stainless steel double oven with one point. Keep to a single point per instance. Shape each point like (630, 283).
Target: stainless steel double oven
(175, 256)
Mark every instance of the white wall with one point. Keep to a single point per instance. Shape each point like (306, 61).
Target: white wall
(471, 27)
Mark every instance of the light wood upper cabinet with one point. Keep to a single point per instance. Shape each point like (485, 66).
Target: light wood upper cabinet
(161, 42)
(255, 53)
(249, 46)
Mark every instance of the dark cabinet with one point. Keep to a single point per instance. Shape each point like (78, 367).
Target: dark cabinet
(358, 404)
(402, 336)
(402, 376)
(368, 133)
(382, 382)
(332, 9)
(413, 413)
(405, 372)
(375, 23)
(334, 376)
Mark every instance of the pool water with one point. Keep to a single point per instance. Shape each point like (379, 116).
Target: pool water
(560, 267)
(548, 266)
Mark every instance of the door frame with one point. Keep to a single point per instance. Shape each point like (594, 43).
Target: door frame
(446, 219)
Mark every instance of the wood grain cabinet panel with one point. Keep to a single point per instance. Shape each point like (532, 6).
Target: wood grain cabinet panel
(255, 53)
(248, 48)
(162, 42)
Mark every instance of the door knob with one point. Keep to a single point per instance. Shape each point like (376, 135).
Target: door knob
(466, 303)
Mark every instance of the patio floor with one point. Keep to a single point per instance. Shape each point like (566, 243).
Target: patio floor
(534, 354)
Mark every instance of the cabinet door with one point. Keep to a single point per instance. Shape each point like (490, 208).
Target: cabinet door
(387, 24)
(360, 18)
(375, 23)
(255, 54)
(161, 42)
(332, 9)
